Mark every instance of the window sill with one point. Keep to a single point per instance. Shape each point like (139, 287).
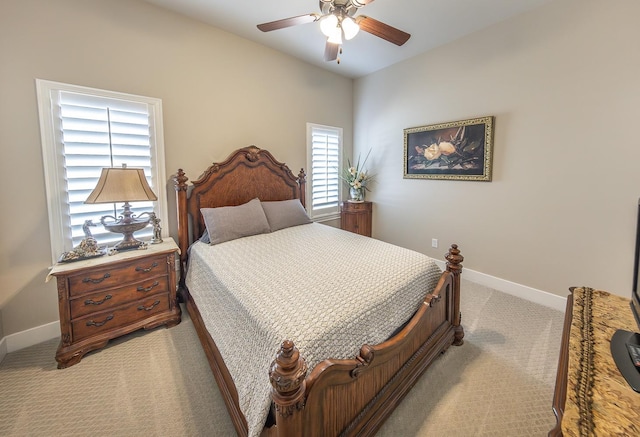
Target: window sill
(326, 217)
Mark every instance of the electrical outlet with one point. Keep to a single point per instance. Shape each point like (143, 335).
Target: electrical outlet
(434, 242)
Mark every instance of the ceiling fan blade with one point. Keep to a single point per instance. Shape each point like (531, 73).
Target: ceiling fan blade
(331, 51)
(288, 22)
(381, 30)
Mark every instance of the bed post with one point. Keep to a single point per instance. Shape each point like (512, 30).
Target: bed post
(302, 185)
(454, 266)
(180, 183)
(287, 375)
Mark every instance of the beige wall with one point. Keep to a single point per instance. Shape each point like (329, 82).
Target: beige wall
(219, 93)
(563, 82)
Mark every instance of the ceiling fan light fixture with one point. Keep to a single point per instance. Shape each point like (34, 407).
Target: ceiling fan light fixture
(336, 36)
(329, 24)
(349, 27)
(337, 22)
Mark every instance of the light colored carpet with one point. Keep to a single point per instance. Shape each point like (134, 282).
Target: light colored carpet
(158, 383)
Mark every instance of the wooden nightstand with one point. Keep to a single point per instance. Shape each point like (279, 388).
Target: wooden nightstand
(356, 217)
(106, 297)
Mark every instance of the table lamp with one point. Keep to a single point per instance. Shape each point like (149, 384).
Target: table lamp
(123, 185)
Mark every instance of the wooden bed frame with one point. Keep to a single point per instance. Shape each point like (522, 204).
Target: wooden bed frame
(339, 396)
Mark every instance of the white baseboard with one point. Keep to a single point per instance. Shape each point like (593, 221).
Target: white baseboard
(522, 291)
(29, 337)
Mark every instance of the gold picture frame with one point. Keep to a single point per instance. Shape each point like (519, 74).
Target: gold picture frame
(457, 150)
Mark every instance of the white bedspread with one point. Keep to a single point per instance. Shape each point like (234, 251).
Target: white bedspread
(327, 290)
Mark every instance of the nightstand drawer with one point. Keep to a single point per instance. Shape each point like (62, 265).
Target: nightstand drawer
(119, 317)
(99, 279)
(110, 298)
(357, 206)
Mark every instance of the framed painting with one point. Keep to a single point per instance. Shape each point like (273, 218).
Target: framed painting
(457, 150)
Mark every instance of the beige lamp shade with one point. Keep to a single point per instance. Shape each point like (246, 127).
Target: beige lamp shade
(121, 185)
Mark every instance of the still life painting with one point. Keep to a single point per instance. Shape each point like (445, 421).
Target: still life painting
(457, 150)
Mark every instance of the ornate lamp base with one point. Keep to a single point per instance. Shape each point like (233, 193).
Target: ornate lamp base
(127, 228)
(129, 244)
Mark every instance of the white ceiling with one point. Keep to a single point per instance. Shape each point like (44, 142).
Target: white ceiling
(431, 23)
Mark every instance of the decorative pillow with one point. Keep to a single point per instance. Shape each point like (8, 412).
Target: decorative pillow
(285, 213)
(230, 222)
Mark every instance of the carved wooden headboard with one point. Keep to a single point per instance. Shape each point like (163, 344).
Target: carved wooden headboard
(247, 173)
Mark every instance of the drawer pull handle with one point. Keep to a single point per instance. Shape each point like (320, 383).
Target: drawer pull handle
(97, 302)
(149, 308)
(98, 324)
(147, 270)
(97, 281)
(149, 288)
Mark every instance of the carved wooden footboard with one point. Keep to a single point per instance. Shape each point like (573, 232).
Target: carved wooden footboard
(354, 397)
(337, 397)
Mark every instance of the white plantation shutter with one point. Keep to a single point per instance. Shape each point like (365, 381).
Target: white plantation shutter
(325, 151)
(97, 133)
(84, 131)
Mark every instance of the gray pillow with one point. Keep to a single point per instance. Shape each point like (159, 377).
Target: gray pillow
(205, 237)
(230, 222)
(285, 213)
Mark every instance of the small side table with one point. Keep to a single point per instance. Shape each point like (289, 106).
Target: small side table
(356, 217)
(103, 298)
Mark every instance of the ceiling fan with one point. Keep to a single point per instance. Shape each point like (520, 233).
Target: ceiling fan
(337, 21)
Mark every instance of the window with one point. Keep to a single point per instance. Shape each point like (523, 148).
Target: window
(324, 161)
(84, 130)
